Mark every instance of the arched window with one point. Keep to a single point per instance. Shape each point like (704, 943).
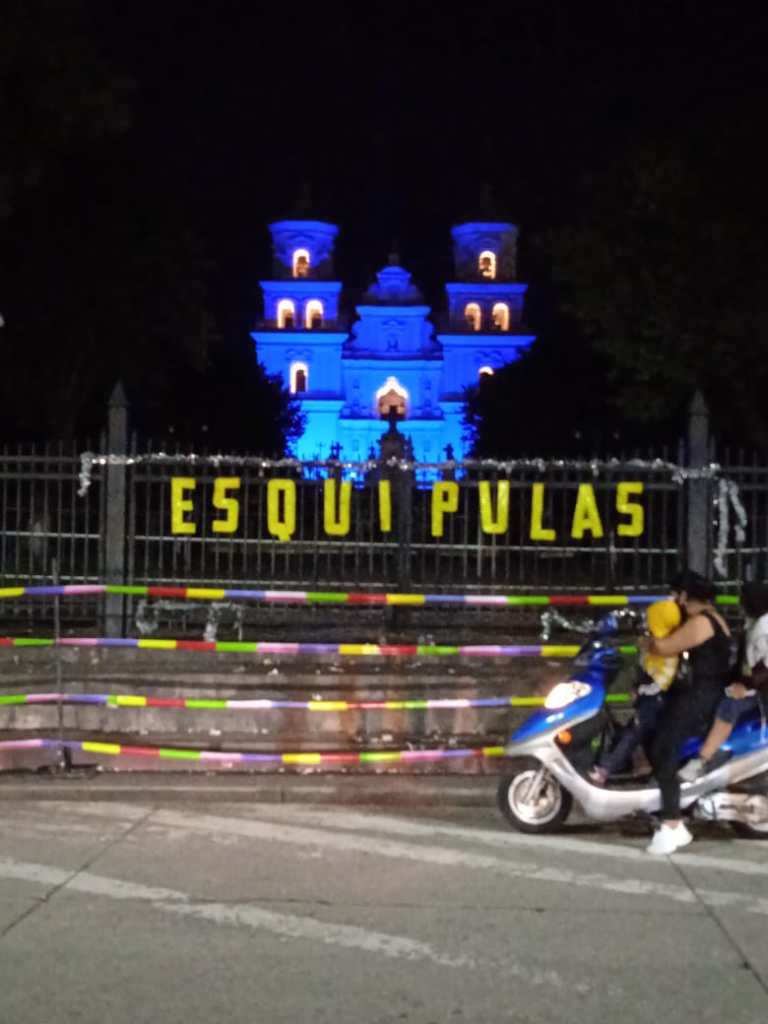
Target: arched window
(392, 393)
(286, 314)
(299, 378)
(484, 372)
(473, 316)
(301, 263)
(501, 317)
(486, 264)
(313, 314)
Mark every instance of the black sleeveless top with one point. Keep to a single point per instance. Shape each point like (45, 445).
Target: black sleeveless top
(710, 661)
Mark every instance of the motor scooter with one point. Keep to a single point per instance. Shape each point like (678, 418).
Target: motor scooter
(554, 748)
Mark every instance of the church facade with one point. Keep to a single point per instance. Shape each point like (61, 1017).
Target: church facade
(349, 380)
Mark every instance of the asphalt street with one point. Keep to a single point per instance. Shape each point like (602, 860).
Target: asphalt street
(125, 912)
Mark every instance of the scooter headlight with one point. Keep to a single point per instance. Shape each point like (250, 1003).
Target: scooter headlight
(566, 693)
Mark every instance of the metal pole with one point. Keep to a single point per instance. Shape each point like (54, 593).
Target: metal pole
(699, 499)
(114, 540)
(64, 762)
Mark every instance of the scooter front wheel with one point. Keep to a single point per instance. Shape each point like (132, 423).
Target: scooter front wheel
(533, 801)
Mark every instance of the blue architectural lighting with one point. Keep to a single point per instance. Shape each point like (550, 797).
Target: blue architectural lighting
(348, 380)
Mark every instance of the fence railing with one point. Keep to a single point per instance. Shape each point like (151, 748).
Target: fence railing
(141, 518)
(542, 538)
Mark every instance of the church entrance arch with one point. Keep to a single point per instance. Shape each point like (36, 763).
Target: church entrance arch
(392, 393)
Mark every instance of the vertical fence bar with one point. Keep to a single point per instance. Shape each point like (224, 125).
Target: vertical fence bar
(64, 760)
(406, 487)
(697, 539)
(115, 540)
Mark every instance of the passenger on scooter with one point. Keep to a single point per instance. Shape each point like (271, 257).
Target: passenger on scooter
(655, 675)
(744, 694)
(691, 703)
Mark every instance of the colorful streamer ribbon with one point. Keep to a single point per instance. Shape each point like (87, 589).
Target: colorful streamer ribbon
(122, 700)
(363, 757)
(346, 598)
(344, 650)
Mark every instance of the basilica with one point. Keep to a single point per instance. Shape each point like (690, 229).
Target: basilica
(393, 359)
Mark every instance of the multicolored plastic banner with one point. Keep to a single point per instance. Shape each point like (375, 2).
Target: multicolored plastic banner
(129, 700)
(343, 650)
(226, 760)
(346, 597)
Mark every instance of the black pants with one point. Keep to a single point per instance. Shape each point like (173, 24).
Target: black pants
(638, 731)
(687, 714)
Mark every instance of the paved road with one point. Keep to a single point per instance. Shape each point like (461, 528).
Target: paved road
(116, 912)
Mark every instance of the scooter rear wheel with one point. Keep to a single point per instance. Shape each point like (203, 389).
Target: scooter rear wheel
(755, 823)
(542, 810)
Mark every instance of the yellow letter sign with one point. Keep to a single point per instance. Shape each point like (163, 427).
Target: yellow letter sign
(538, 531)
(281, 524)
(489, 522)
(336, 525)
(445, 499)
(231, 506)
(385, 506)
(585, 515)
(633, 509)
(180, 504)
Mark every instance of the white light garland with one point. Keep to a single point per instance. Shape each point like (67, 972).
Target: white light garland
(551, 618)
(728, 498)
(594, 466)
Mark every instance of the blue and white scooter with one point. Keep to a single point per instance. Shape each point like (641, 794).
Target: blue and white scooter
(554, 748)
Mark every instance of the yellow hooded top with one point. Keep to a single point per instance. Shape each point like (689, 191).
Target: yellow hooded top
(663, 618)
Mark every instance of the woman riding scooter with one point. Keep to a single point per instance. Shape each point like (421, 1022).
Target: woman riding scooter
(691, 703)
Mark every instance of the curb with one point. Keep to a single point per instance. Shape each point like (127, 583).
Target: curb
(414, 791)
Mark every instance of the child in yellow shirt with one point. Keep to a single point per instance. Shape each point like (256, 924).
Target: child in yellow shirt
(655, 676)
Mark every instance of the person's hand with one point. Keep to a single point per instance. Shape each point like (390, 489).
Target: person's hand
(737, 690)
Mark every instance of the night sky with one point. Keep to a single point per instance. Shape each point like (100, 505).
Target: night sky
(399, 116)
(398, 120)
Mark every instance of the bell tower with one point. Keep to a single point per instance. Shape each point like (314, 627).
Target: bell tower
(300, 336)
(486, 297)
(485, 313)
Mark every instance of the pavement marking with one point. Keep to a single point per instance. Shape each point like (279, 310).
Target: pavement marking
(84, 882)
(392, 824)
(355, 821)
(292, 926)
(398, 947)
(434, 855)
(354, 937)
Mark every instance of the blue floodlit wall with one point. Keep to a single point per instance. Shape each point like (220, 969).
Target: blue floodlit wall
(346, 379)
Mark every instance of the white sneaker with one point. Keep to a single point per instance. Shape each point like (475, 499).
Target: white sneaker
(692, 770)
(668, 839)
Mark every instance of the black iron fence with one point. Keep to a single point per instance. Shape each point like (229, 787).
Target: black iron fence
(44, 519)
(225, 520)
(149, 518)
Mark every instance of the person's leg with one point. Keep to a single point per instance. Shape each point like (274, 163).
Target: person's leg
(664, 760)
(618, 756)
(651, 717)
(729, 711)
(673, 727)
(649, 711)
(638, 730)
